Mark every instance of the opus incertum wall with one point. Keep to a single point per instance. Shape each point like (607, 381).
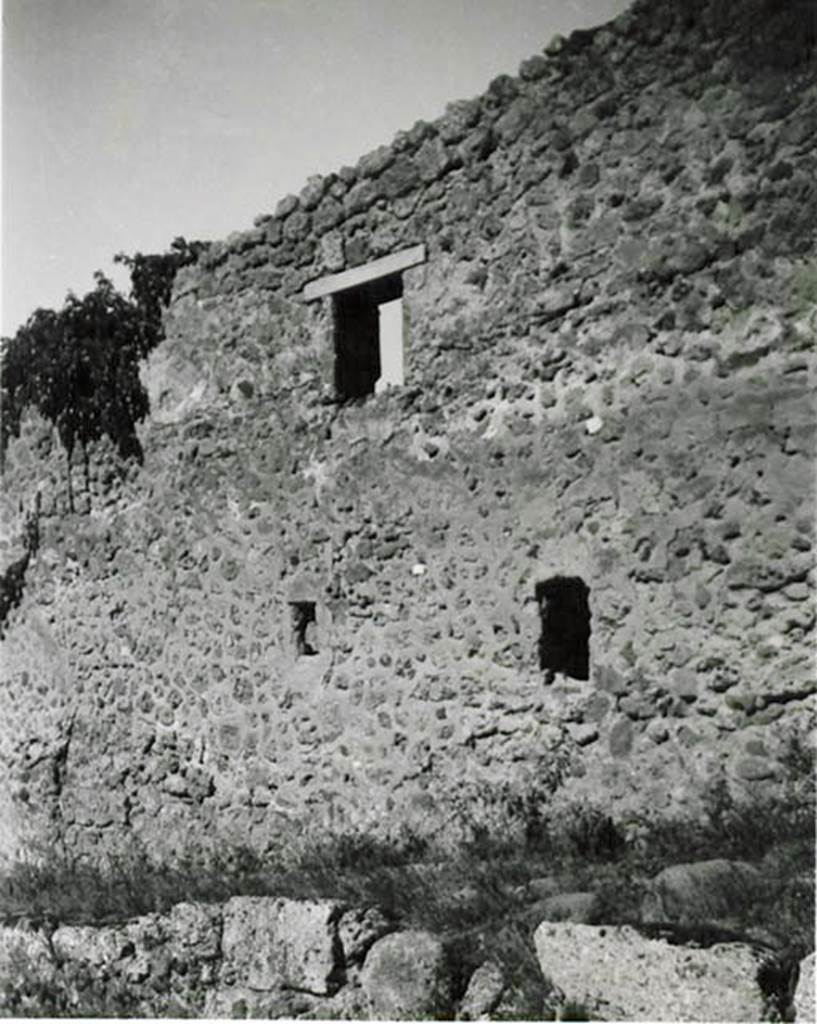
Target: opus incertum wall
(486, 462)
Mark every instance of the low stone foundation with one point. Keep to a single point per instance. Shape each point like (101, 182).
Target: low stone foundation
(321, 959)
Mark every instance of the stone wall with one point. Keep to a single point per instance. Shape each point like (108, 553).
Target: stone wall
(609, 377)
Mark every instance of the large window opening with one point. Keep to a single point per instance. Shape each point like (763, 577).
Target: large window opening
(564, 615)
(368, 323)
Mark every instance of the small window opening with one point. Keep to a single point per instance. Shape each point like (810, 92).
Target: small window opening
(564, 615)
(304, 627)
(368, 338)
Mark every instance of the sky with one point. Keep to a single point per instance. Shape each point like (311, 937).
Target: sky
(129, 122)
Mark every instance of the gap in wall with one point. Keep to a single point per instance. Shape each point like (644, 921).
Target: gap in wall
(304, 627)
(564, 616)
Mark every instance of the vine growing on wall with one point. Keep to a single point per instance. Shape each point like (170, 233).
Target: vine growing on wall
(79, 366)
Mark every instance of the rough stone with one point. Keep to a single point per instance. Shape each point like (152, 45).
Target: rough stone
(485, 989)
(458, 118)
(578, 907)
(271, 943)
(358, 929)
(702, 891)
(406, 976)
(374, 163)
(804, 1001)
(97, 947)
(621, 738)
(21, 947)
(619, 974)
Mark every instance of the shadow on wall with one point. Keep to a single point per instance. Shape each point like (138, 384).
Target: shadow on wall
(12, 582)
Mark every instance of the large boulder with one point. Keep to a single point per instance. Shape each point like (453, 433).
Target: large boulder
(406, 976)
(804, 1003)
(279, 943)
(708, 890)
(617, 974)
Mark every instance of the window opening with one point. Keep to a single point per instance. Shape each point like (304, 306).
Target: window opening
(304, 627)
(564, 615)
(368, 338)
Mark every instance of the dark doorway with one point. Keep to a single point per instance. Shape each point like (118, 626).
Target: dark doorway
(564, 614)
(304, 627)
(357, 335)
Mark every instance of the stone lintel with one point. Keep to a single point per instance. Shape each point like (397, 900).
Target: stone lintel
(382, 267)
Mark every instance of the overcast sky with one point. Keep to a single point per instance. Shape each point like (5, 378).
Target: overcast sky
(128, 122)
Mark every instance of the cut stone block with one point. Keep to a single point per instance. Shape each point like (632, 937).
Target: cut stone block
(279, 943)
(618, 974)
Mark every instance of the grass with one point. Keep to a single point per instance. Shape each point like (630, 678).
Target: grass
(475, 895)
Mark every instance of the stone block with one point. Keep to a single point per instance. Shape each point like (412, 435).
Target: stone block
(485, 989)
(194, 929)
(272, 943)
(327, 215)
(406, 976)
(286, 206)
(533, 68)
(578, 907)
(619, 974)
(97, 947)
(22, 948)
(702, 891)
(457, 119)
(400, 178)
(358, 929)
(433, 160)
(804, 1002)
(621, 738)
(374, 163)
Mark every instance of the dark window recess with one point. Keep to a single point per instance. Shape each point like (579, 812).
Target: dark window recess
(304, 627)
(564, 614)
(357, 335)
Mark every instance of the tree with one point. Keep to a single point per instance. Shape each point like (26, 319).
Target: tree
(79, 366)
(152, 282)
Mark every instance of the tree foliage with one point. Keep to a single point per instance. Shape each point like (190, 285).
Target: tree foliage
(79, 366)
(152, 279)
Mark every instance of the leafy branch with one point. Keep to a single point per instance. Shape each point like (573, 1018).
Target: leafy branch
(79, 366)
